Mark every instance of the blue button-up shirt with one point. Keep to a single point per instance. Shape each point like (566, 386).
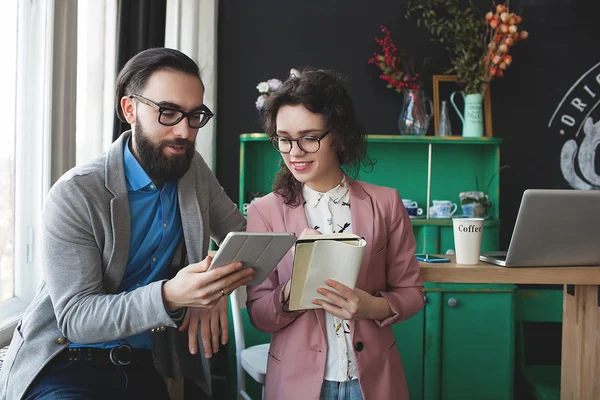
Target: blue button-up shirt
(155, 232)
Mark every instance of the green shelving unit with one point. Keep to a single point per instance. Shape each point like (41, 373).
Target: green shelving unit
(421, 168)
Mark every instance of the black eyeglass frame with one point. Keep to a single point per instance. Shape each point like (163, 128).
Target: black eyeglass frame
(203, 110)
(318, 139)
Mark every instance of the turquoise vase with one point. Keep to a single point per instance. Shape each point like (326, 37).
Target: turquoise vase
(472, 118)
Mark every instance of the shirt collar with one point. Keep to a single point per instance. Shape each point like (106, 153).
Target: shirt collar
(312, 197)
(136, 177)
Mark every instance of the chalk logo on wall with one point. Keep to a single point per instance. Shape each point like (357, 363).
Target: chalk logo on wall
(575, 120)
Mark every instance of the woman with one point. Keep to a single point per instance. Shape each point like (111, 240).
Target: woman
(346, 350)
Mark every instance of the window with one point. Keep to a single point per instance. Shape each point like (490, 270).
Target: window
(37, 140)
(26, 78)
(8, 31)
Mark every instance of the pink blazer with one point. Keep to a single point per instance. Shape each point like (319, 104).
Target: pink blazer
(297, 354)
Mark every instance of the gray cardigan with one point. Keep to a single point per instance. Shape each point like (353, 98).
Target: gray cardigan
(85, 245)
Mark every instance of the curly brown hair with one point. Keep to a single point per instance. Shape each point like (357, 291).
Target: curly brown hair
(321, 92)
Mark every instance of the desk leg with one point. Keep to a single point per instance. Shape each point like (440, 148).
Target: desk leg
(580, 344)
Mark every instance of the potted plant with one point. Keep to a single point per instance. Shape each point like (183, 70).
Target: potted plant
(479, 47)
(475, 203)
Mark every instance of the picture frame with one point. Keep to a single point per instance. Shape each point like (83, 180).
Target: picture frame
(443, 93)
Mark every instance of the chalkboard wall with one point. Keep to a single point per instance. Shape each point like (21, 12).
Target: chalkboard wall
(263, 39)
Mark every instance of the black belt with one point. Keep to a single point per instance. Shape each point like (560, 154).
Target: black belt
(120, 356)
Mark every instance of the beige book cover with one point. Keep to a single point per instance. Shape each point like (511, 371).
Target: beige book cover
(317, 258)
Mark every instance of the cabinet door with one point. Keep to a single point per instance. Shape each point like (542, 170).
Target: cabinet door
(409, 336)
(477, 346)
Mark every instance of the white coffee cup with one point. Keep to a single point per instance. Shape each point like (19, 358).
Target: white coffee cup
(443, 208)
(468, 233)
(409, 203)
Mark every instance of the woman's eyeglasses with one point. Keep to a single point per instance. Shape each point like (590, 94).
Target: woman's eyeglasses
(308, 144)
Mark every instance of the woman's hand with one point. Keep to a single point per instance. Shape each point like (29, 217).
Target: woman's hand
(352, 304)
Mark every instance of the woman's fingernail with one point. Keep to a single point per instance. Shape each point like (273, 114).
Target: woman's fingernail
(193, 350)
(207, 355)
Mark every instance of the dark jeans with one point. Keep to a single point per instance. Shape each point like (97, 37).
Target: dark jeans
(91, 381)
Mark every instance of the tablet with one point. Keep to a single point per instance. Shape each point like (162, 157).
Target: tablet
(260, 250)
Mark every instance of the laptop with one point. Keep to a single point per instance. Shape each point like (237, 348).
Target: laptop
(554, 227)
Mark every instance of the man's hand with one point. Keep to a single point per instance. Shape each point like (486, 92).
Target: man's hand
(194, 286)
(352, 303)
(213, 323)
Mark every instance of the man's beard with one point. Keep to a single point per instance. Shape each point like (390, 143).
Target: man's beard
(157, 165)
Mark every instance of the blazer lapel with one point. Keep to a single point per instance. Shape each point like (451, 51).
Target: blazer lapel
(191, 217)
(119, 213)
(294, 219)
(361, 209)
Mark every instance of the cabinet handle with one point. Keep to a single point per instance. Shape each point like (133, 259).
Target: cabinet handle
(452, 302)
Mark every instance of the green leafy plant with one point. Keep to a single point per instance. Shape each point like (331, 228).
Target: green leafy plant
(460, 31)
(478, 196)
(487, 187)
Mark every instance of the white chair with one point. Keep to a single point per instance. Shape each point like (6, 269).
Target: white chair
(252, 360)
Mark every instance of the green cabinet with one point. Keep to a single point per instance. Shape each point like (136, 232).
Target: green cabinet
(461, 345)
(470, 342)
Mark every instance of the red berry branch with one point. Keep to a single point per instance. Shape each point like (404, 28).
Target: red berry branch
(395, 70)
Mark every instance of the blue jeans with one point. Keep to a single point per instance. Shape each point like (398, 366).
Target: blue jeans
(88, 381)
(349, 390)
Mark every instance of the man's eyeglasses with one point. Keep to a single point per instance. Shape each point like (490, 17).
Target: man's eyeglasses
(308, 144)
(171, 116)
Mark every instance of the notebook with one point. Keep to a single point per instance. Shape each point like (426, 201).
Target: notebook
(554, 227)
(336, 256)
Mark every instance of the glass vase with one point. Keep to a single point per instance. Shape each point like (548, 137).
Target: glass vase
(414, 118)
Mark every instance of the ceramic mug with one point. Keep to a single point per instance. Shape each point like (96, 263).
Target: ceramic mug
(409, 203)
(414, 211)
(468, 210)
(443, 208)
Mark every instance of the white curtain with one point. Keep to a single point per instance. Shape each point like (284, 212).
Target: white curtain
(191, 27)
(96, 60)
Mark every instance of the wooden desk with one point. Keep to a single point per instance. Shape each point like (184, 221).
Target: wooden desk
(581, 313)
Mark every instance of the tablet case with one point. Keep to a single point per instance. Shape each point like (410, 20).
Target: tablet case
(262, 251)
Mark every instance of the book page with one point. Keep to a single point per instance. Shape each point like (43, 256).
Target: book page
(301, 262)
(330, 259)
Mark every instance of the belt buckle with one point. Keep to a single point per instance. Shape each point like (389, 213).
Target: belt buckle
(121, 355)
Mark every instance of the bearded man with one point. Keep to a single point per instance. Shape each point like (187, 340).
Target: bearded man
(124, 256)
